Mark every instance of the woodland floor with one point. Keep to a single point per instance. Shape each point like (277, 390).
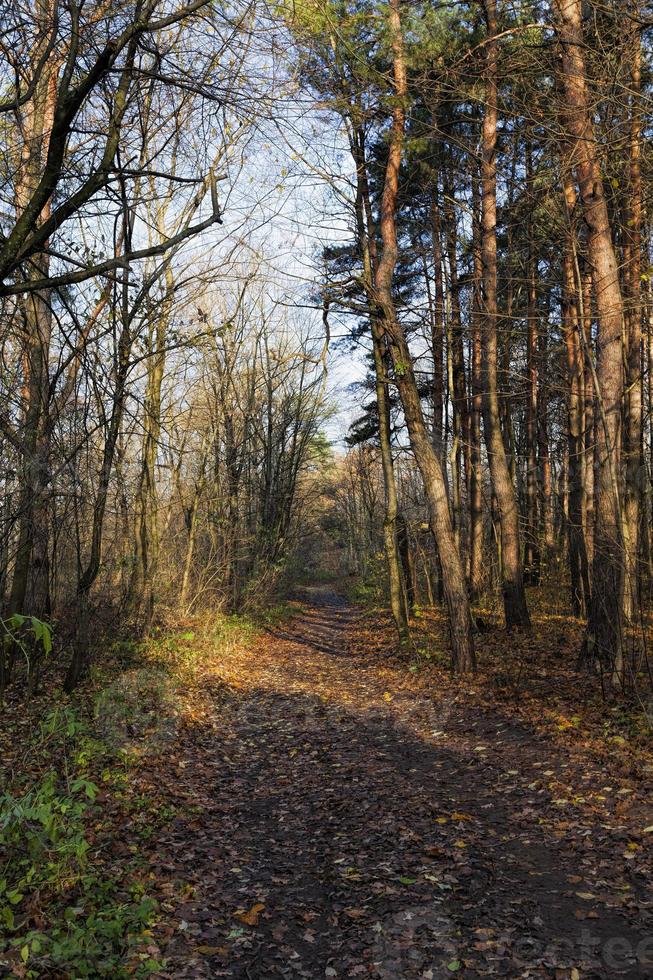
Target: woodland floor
(338, 817)
(303, 804)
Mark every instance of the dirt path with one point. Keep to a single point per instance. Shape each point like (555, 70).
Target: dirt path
(337, 827)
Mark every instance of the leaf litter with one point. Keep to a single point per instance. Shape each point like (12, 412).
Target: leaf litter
(323, 830)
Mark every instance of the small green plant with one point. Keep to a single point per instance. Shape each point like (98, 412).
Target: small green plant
(17, 625)
(29, 636)
(401, 367)
(93, 939)
(59, 912)
(43, 834)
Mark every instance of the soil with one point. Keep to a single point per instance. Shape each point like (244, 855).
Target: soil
(342, 822)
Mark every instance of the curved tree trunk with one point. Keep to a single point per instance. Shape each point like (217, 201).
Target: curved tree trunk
(367, 245)
(460, 620)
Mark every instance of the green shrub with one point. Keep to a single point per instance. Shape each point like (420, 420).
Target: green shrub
(58, 910)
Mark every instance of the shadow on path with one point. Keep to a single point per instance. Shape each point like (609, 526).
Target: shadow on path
(345, 833)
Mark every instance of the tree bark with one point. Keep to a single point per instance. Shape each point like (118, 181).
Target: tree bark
(571, 327)
(369, 256)
(476, 471)
(460, 462)
(514, 597)
(603, 641)
(633, 322)
(532, 550)
(460, 620)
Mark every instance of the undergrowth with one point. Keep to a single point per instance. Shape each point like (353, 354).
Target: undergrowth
(369, 588)
(74, 898)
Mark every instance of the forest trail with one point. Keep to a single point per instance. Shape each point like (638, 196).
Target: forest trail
(340, 825)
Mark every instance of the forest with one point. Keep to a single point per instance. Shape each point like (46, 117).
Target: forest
(326, 489)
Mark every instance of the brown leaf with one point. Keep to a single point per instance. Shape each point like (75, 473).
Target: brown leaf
(250, 918)
(355, 913)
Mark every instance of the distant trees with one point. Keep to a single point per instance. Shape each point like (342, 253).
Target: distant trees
(252, 427)
(119, 124)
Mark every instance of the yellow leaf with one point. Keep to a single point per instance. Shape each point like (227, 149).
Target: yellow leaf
(251, 918)
(460, 843)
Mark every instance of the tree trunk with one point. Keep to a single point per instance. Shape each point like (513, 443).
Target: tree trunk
(476, 472)
(633, 323)
(146, 530)
(30, 584)
(367, 245)
(532, 550)
(460, 620)
(91, 570)
(603, 641)
(545, 531)
(571, 327)
(460, 463)
(514, 597)
(437, 333)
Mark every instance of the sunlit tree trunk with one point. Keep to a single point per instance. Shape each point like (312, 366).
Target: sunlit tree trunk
(367, 245)
(452, 571)
(584, 294)
(603, 642)
(460, 464)
(514, 597)
(437, 333)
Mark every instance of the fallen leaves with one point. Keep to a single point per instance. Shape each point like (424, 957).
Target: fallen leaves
(250, 917)
(355, 913)
(341, 825)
